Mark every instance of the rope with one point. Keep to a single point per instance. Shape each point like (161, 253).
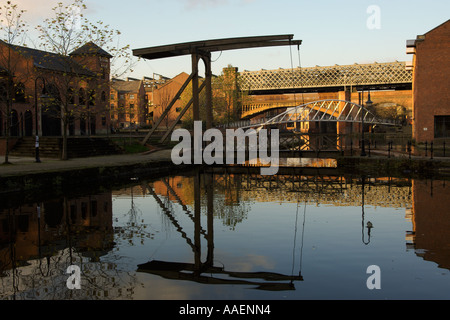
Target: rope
(300, 66)
(292, 71)
(303, 236)
(295, 240)
(217, 57)
(295, 237)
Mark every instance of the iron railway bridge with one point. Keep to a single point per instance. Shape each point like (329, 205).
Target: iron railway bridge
(381, 76)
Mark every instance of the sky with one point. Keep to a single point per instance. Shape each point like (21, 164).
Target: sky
(333, 32)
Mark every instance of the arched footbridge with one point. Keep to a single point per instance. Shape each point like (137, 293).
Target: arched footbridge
(329, 110)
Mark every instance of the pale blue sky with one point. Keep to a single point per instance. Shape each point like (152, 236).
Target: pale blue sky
(333, 32)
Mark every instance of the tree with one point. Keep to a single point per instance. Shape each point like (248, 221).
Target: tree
(227, 98)
(13, 31)
(67, 34)
(232, 98)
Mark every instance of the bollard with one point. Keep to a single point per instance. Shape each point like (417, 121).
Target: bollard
(369, 147)
(431, 150)
(444, 148)
(426, 148)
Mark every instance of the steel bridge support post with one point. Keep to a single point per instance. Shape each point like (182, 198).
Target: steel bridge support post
(208, 79)
(195, 91)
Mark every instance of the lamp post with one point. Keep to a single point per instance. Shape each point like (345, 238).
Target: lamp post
(369, 224)
(368, 103)
(36, 115)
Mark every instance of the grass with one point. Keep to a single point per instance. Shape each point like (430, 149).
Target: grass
(130, 145)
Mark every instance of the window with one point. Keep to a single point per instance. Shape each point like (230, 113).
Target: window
(93, 208)
(81, 97)
(121, 115)
(20, 92)
(442, 126)
(92, 98)
(131, 96)
(73, 213)
(84, 210)
(2, 91)
(71, 96)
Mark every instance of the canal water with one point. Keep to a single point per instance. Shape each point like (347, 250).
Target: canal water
(231, 235)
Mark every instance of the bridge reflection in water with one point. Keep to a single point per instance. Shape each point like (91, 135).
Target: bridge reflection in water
(236, 189)
(202, 272)
(83, 230)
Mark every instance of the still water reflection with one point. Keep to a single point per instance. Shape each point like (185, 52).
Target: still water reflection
(233, 236)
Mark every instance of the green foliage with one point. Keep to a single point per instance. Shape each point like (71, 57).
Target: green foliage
(69, 29)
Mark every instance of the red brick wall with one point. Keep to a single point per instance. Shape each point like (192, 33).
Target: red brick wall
(12, 142)
(432, 220)
(431, 83)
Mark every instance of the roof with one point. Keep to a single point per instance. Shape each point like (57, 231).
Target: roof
(437, 27)
(180, 49)
(174, 79)
(126, 86)
(90, 48)
(419, 38)
(52, 61)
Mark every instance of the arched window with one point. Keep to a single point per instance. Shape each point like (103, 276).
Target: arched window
(14, 126)
(92, 98)
(71, 96)
(81, 96)
(3, 94)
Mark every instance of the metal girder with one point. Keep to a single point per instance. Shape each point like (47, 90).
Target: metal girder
(202, 50)
(329, 110)
(186, 48)
(166, 111)
(391, 73)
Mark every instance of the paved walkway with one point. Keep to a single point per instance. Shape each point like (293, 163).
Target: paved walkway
(21, 165)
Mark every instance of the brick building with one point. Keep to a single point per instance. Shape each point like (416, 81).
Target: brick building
(163, 95)
(431, 83)
(138, 103)
(68, 92)
(128, 104)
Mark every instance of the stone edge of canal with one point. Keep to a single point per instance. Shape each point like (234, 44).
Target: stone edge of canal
(398, 167)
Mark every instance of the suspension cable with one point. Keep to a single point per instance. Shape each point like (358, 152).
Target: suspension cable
(292, 71)
(301, 78)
